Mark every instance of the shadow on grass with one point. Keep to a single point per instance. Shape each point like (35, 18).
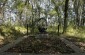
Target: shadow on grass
(75, 39)
(12, 33)
(9, 34)
(16, 33)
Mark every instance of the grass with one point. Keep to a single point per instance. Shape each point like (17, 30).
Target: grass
(10, 33)
(76, 33)
(80, 32)
(21, 29)
(71, 32)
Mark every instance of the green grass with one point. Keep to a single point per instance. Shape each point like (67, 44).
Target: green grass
(12, 32)
(71, 32)
(19, 31)
(80, 32)
(76, 33)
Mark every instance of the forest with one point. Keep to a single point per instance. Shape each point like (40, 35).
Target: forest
(42, 18)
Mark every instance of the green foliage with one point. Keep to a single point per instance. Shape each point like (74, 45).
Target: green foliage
(5, 30)
(71, 30)
(20, 29)
(3, 1)
(52, 12)
(55, 11)
(12, 31)
(52, 29)
(19, 5)
(78, 32)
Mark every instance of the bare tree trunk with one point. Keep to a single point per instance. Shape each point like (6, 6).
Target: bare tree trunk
(76, 7)
(65, 16)
(20, 18)
(83, 16)
(2, 12)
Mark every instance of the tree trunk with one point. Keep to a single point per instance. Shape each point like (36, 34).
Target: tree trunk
(65, 16)
(20, 18)
(76, 7)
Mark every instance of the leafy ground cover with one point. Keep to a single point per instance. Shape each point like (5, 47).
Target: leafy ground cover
(80, 42)
(43, 45)
(76, 36)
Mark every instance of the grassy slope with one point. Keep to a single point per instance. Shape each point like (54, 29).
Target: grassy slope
(8, 34)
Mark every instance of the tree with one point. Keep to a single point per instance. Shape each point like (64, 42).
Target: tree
(2, 8)
(65, 16)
